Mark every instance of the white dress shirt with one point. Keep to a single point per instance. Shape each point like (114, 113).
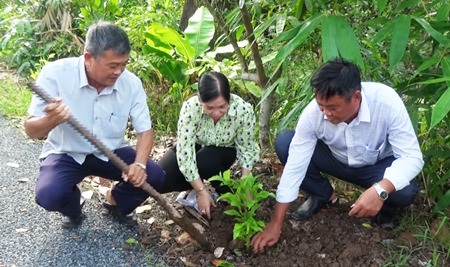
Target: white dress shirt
(382, 128)
(105, 115)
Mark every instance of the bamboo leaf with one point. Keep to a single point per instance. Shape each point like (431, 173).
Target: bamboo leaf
(434, 33)
(441, 108)
(384, 32)
(405, 4)
(445, 63)
(381, 4)
(347, 43)
(427, 64)
(442, 14)
(433, 81)
(329, 47)
(305, 31)
(200, 31)
(400, 35)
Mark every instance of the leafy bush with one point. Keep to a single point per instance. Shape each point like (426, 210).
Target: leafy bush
(245, 198)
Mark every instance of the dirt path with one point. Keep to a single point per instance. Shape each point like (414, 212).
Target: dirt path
(30, 236)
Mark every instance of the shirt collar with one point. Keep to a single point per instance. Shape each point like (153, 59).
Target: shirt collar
(82, 71)
(364, 112)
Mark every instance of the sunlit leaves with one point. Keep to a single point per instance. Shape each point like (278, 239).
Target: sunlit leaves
(200, 30)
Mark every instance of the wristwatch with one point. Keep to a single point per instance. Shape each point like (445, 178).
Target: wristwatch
(382, 193)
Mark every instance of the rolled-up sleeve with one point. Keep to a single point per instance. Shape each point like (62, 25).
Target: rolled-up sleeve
(140, 113)
(406, 149)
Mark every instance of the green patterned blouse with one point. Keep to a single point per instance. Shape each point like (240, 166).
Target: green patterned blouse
(235, 129)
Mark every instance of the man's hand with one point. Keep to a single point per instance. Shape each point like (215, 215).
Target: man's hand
(205, 202)
(367, 205)
(136, 175)
(271, 233)
(57, 112)
(267, 238)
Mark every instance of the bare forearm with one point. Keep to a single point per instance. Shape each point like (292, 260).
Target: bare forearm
(144, 146)
(39, 127)
(279, 213)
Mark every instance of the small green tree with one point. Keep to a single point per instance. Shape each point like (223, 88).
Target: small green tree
(245, 199)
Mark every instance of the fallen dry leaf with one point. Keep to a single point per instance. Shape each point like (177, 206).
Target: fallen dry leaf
(165, 235)
(102, 190)
(87, 194)
(217, 262)
(151, 220)
(218, 252)
(23, 180)
(143, 208)
(13, 164)
(184, 238)
(187, 263)
(169, 222)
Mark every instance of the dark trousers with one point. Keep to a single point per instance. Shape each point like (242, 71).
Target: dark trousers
(56, 186)
(211, 161)
(323, 161)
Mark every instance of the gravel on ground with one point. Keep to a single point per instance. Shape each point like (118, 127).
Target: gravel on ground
(31, 236)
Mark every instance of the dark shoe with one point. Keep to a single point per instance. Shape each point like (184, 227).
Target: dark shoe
(385, 221)
(127, 220)
(310, 207)
(72, 222)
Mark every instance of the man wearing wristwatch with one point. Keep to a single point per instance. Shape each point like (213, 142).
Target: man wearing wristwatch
(358, 132)
(98, 91)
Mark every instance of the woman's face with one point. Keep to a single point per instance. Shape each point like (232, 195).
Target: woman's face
(215, 108)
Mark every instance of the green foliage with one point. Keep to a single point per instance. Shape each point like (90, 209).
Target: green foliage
(18, 42)
(245, 198)
(14, 98)
(175, 55)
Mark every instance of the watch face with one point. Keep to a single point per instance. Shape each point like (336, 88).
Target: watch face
(383, 195)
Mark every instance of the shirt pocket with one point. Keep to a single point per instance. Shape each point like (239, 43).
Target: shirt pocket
(371, 156)
(117, 125)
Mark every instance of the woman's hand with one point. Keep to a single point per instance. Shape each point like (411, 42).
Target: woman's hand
(205, 202)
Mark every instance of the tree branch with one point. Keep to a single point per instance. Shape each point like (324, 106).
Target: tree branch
(222, 24)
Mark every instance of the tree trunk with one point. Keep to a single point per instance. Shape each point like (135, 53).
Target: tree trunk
(265, 111)
(189, 8)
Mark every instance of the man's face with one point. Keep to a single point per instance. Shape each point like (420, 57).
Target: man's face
(106, 69)
(338, 109)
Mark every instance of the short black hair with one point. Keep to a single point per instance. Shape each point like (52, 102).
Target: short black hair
(103, 36)
(213, 85)
(336, 77)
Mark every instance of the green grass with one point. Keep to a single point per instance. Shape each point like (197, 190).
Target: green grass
(431, 246)
(14, 97)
